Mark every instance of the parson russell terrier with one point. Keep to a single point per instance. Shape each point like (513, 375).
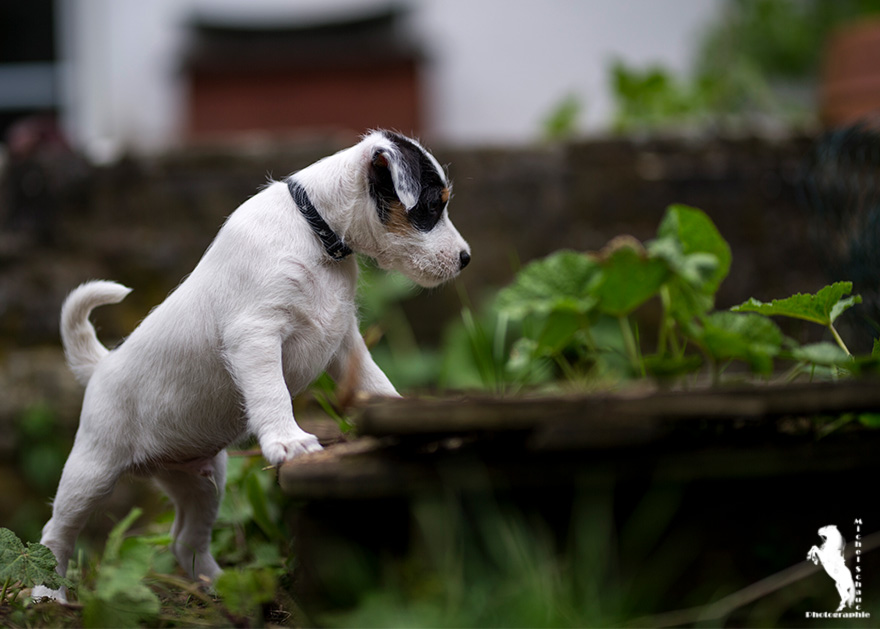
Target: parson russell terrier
(269, 307)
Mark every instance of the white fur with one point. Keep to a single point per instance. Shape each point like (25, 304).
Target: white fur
(262, 315)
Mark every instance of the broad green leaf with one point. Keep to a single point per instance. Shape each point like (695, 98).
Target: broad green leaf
(698, 269)
(29, 565)
(698, 257)
(629, 278)
(11, 550)
(688, 290)
(748, 337)
(562, 280)
(559, 330)
(696, 234)
(828, 354)
(823, 308)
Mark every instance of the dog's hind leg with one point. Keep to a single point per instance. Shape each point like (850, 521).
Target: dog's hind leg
(196, 492)
(86, 480)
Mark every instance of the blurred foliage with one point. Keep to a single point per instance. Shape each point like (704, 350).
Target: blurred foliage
(778, 38)
(751, 63)
(392, 342)
(133, 582)
(575, 319)
(482, 563)
(562, 121)
(652, 98)
(571, 319)
(44, 446)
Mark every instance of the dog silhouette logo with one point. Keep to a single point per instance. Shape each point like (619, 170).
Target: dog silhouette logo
(830, 556)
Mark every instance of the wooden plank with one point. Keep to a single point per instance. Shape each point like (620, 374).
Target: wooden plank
(641, 415)
(354, 470)
(412, 444)
(371, 468)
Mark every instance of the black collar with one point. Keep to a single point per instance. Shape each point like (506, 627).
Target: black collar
(333, 244)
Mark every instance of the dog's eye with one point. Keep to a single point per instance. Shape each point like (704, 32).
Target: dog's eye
(435, 210)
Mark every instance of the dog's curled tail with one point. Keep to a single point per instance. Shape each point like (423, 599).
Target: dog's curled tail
(81, 346)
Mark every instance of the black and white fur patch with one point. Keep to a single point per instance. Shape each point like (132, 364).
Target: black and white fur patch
(405, 178)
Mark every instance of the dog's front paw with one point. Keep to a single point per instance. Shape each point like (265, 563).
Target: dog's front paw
(277, 451)
(40, 592)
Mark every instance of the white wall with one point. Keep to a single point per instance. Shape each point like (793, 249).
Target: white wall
(502, 66)
(498, 66)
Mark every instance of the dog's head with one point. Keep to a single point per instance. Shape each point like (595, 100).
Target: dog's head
(398, 210)
(410, 194)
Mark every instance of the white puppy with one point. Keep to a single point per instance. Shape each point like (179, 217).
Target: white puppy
(269, 307)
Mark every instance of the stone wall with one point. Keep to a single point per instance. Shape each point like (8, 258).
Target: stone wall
(146, 222)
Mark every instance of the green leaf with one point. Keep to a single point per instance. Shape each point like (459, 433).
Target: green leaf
(117, 535)
(562, 280)
(243, 591)
(698, 257)
(747, 337)
(256, 495)
(562, 119)
(827, 354)
(559, 330)
(29, 565)
(697, 269)
(120, 597)
(695, 233)
(629, 278)
(823, 308)
(663, 366)
(11, 550)
(869, 420)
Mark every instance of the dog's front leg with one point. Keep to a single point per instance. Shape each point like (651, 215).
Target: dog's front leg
(253, 355)
(354, 366)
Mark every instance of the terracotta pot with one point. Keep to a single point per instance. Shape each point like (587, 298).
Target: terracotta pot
(850, 84)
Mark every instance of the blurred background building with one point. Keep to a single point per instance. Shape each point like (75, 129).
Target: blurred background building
(127, 75)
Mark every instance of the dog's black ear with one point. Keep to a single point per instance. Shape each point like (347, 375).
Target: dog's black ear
(405, 170)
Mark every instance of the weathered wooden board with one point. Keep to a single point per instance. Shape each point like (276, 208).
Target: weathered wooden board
(408, 445)
(639, 415)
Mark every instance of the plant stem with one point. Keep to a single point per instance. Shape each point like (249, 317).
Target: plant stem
(838, 339)
(5, 589)
(827, 429)
(567, 370)
(664, 321)
(630, 343)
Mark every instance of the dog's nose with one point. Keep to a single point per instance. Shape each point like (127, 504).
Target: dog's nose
(464, 257)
